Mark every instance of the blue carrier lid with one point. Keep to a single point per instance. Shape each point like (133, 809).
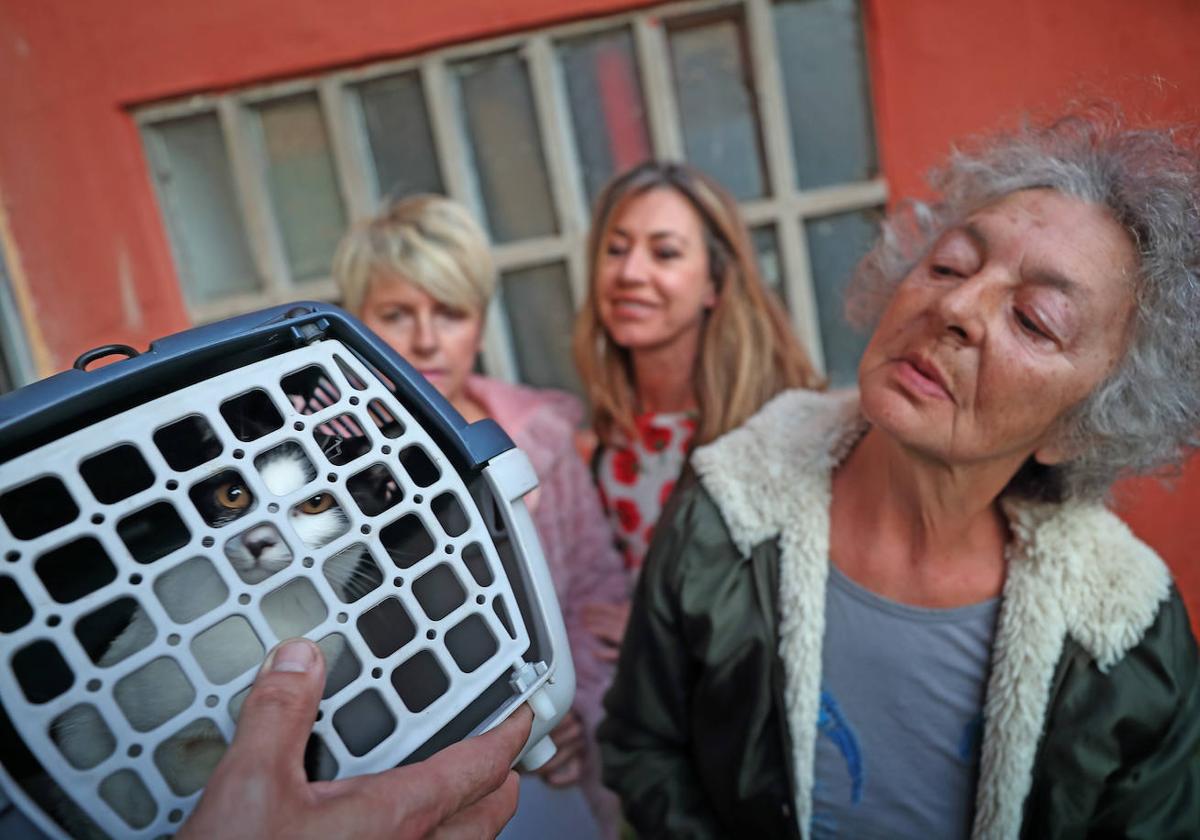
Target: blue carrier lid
(68, 401)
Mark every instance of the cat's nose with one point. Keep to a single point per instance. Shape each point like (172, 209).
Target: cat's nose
(257, 543)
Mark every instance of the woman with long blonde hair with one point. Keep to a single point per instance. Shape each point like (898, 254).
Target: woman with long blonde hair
(678, 342)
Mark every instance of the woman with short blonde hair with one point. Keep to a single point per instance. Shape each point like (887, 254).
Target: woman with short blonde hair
(420, 275)
(433, 241)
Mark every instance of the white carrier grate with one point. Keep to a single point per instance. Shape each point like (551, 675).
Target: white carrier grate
(150, 560)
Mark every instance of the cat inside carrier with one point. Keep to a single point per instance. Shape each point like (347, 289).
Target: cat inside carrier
(165, 520)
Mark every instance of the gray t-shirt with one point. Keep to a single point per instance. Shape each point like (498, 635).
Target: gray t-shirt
(901, 715)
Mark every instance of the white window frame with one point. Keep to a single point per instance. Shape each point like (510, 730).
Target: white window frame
(785, 209)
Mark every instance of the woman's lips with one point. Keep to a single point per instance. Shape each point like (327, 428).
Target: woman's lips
(921, 379)
(630, 308)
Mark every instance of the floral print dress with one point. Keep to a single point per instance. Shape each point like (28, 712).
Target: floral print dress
(636, 477)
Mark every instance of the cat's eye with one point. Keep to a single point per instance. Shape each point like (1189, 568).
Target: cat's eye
(233, 496)
(317, 504)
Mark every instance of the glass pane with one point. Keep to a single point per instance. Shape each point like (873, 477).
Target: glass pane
(205, 220)
(607, 111)
(835, 245)
(502, 131)
(303, 184)
(770, 262)
(715, 92)
(825, 78)
(399, 136)
(6, 379)
(537, 304)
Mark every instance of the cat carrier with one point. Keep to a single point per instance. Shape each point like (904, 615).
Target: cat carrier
(168, 518)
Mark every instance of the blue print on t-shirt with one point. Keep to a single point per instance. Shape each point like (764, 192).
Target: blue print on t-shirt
(972, 736)
(833, 724)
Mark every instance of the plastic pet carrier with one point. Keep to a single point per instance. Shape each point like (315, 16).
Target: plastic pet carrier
(168, 518)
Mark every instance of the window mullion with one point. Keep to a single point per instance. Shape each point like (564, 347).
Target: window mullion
(653, 54)
(777, 137)
(247, 160)
(345, 140)
(559, 143)
(798, 285)
(839, 199)
(772, 101)
(442, 100)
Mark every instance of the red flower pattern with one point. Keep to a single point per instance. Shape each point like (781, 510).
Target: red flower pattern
(625, 466)
(637, 479)
(654, 438)
(628, 515)
(665, 493)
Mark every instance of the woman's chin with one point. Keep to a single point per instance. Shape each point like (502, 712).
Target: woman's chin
(895, 414)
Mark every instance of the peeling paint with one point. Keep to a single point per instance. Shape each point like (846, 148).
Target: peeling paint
(131, 307)
(21, 47)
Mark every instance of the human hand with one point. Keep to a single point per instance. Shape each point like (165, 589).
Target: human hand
(607, 623)
(566, 767)
(259, 788)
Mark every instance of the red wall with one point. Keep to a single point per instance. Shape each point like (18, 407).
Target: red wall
(91, 247)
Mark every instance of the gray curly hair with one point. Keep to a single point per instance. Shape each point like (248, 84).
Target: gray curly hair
(1146, 416)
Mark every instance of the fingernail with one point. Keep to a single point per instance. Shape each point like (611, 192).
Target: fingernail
(295, 656)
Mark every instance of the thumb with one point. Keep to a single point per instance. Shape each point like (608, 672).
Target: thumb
(277, 716)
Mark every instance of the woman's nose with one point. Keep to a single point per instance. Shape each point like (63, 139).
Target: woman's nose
(635, 266)
(425, 335)
(963, 310)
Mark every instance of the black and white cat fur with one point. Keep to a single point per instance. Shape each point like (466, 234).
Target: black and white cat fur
(255, 554)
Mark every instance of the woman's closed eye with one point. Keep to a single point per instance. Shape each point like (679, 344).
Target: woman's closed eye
(1032, 326)
(394, 315)
(451, 313)
(942, 270)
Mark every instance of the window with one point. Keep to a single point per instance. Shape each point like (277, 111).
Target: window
(768, 96)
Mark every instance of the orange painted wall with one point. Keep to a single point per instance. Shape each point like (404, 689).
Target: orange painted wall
(93, 250)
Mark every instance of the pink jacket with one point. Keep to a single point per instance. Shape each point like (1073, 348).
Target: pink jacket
(575, 535)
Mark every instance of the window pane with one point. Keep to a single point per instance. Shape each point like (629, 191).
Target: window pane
(205, 222)
(502, 132)
(6, 381)
(399, 136)
(303, 184)
(537, 304)
(607, 111)
(770, 263)
(835, 245)
(715, 92)
(821, 56)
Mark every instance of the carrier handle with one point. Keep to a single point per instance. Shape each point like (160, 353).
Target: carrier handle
(95, 353)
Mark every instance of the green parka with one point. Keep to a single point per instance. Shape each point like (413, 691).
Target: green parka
(1092, 715)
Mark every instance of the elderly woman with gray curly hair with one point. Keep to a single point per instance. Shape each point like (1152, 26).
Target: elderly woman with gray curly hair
(906, 612)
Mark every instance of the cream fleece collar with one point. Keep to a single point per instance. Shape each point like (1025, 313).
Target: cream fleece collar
(1074, 570)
